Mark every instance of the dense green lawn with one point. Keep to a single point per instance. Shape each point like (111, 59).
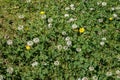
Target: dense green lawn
(59, 39)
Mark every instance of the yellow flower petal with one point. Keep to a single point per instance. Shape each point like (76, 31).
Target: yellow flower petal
(27, 47)
(42, 12)
(81, 30)
(110, 18)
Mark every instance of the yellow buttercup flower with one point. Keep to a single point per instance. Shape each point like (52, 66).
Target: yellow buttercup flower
(81, 30)
(110, 18)
(42, 12)
(27, 47)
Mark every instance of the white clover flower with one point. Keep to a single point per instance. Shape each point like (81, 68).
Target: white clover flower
(112, 8)
(43, 16)
(67, 8)
(28, 1)
(98, 3)
(9, 42)
(78, 49)
(21, 16)
(66, 15)
(102, 43)
(95, 77)
(67, 38)
(30, 43)
(117, 71)
(10, 70)
(34, 64)
(100, 20)
(72, 5)
(1, 77)
(64, 33)
(74, 26)
(84, 78)
(69, 43)
(104, 39)
(91, 68)
(49, 25)
(72, 8)
(56, 63)
(59, 47)
(118, 76)
(36, 40)
(6, 36)
(65, 47)
(115, 15)
(104, 3)
(71, 20)
(50, 20)
(20, 27)
(91, 9)
(117, 8)
(79, 78)
(109, 73)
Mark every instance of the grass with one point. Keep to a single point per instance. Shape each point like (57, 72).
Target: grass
(64, 51)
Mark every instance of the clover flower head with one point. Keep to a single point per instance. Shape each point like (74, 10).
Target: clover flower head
(1, 77)
(102, 43)
(36, 40)
(78, 49)
(109, 73)
(21, 16)
(34, 64)
(49, 25)
(9, 42)
(115, 15)
(74, 26)
(20, 27)
(64, 33)
(94, 77)
(10, 70)
(30, 43)
(67, 38)
(91, 68)
(59, 47)
(117, 71)
(65, 47)
(67, 8)
(66, 15)
(100, 20)
(56, 63)
(84, 78)
(50, 20)
(104, 39)
(104, 3)
(43, 16)
(69, 43)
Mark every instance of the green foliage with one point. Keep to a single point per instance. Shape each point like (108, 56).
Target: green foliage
(55, 56)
